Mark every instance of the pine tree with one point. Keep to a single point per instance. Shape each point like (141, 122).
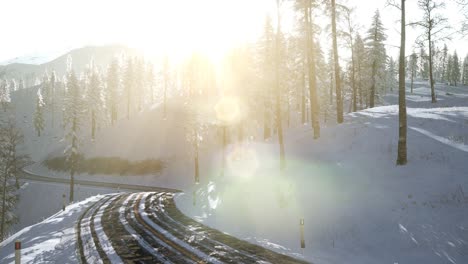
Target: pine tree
(455, 69)
(391, 74)
(377, 54)
(139, 80)
(150, 81)
(39, 114)
(113, 83)
(465, 71)
(165, 70)
(4, 94)
(10, 163)
(413, 67)
(423, 64)
(360, 54)
(73, 115)
(444, 63)
(129, 84)
(53, 86)
(94, 98)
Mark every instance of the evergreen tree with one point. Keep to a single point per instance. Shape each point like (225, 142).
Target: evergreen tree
(73, 115)
(413, 67)
(360, 54)
(266, 63)
(139, 82)
(455, 71)
(94, 98)
(113, 82)
(444, 63)
(10, 163)
(392, 74)
(4, 94)
(150, 81)
(465, 71)
(377, 54)
(423, 64)
(39, 114)
(52, 86)
(129, 84)
(449, 69)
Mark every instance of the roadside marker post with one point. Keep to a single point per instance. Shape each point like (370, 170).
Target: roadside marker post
(301, 224)
(64, 201)
(17, 252)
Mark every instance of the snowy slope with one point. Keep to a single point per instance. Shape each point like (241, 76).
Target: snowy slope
(52, 240)
(357, 205)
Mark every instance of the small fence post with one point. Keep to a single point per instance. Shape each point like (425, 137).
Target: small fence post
(64, 198)
(17, 252)
(301, 224)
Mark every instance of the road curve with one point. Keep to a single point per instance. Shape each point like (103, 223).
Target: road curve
(25, 175)
(147, 227)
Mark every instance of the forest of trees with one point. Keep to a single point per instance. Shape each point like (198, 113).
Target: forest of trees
(279, 77)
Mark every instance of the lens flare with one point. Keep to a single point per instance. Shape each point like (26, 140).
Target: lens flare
(228, 110)
(242, 161)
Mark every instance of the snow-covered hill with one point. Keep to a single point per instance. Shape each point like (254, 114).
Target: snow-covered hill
(357, 205)
(102, 56)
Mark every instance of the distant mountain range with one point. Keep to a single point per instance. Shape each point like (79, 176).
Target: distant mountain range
(31, 67)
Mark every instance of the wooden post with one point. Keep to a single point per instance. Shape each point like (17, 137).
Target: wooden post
(301, 224)
(17, 252)
(64, 202)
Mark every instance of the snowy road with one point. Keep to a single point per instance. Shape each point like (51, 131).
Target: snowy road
(148, 228)
(25, 175)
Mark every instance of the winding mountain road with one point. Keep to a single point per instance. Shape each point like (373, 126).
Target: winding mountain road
(147, 227)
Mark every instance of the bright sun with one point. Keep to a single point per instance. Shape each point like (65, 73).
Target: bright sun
(210, 27)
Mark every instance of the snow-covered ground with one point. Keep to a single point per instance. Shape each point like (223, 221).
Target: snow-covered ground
(39, 200)
(358, 207)
(51, 241)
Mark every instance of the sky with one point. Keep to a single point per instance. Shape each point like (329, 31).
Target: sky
(161, 26)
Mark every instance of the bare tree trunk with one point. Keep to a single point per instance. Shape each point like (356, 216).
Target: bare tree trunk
(402, 152)
(303, 98)
(339, 100)
(277, 92)
(314, 106)
(431, 77)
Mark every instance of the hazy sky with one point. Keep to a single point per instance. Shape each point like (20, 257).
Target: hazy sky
(31, 26)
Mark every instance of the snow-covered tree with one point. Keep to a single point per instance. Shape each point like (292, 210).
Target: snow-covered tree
(392, 74)
(455, 72)
(10, 163)
(39, 114)
(465, 71)
(94, 98)
(423, 64)
(112, 91)
(73, 116)
(129, 84)
(413, 68)
(4, 94)
(377, 54)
